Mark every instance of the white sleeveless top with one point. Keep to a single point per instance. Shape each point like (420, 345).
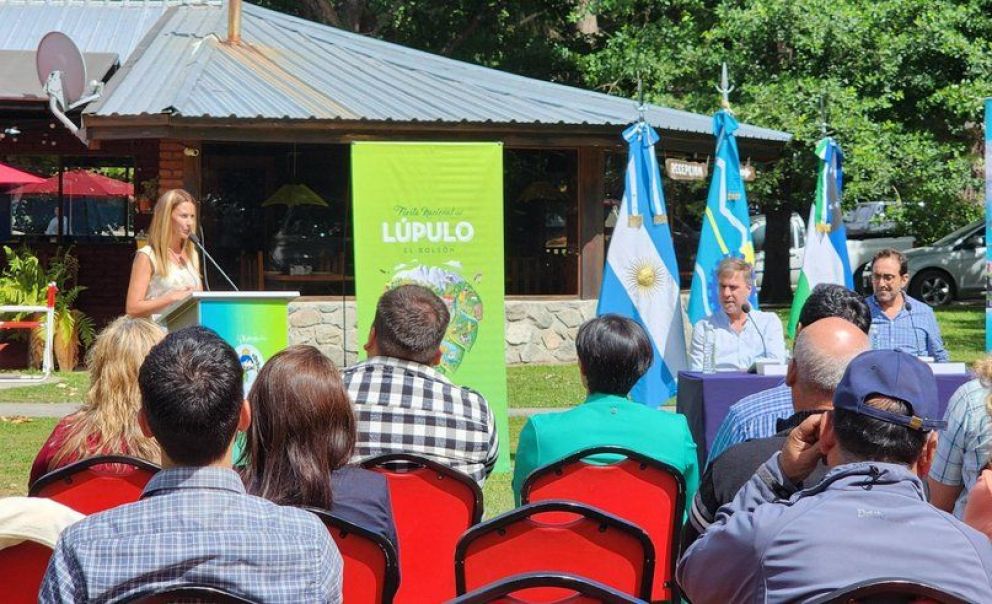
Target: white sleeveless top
(178, 277)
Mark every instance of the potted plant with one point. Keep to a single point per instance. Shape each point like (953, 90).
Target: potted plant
(24, 282)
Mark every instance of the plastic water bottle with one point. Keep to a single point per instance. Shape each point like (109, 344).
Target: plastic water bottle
(709, 352)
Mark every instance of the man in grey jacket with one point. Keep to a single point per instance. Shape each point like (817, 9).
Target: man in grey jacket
(867, 519)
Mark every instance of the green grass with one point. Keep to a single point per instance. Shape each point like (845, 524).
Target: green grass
(21, 438)
(67, 387)
(963, 329)
(544, 386)
(498, 492)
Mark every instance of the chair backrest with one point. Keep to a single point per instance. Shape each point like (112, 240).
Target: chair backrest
(97, 483)
(371, 570)
(187, 593)
(22, 567)
(520, 589)
(637, 488)
(889, 591)
(432, 506)
(558, 536)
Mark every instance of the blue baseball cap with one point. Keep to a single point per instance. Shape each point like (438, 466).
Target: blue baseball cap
(896, 375)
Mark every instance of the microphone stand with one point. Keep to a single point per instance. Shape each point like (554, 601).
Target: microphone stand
(746, 309)
(196, 240)
(912, 323)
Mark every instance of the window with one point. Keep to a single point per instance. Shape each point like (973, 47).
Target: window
(278, 216)
(81, 199)
(540, 222)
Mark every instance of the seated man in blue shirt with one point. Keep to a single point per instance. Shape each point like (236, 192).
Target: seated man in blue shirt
(899, 322)
(756, 415)
(194, 523)
(735, 336)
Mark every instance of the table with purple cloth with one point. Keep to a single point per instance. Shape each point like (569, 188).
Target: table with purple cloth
(704, 398)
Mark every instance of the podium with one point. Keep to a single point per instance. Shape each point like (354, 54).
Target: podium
(255, 324)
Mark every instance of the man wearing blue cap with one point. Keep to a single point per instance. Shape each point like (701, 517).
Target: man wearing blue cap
(868, 518)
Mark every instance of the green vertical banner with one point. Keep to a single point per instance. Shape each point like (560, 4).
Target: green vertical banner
(432, 214)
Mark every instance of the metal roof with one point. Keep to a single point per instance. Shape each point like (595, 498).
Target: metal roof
(290, 68)
(110, 26)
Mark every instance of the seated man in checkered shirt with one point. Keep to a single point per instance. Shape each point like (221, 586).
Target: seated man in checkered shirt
(194, 523)
(403, 404)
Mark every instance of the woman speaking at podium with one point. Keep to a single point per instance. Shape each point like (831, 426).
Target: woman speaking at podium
(168, 268)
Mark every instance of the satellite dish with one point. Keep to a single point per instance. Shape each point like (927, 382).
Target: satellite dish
(62, 74)
(58, 53)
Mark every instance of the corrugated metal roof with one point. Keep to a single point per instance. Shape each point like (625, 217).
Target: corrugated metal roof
(114, 26)
(290, 68)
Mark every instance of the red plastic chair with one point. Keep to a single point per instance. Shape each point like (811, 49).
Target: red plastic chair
(519, 589)
(639, 489)
(432, 506)
(89, 489)
(889, 591)
(22, 568)
(371, 571)
(558, 536)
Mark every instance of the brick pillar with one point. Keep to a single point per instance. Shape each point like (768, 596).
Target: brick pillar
(170, 165)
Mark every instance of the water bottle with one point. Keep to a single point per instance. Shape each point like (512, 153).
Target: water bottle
(709, 350)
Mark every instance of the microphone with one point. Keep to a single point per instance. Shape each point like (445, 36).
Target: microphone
(196, 240)
(746, 309)
(916, 336)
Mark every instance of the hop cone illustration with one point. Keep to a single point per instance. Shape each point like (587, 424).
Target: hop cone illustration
(464, 306)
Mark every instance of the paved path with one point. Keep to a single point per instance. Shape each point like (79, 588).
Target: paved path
(37, 409)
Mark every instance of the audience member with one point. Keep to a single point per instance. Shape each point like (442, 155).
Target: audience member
(614, 352)
(899, 322)
(107, 424)
(33, 519)
(301, 437)
(735, 336)
(822, 353)
(756, 415)
(777, 543)
(403, 404)
(963, 450)
(978, 510)
(195, 523)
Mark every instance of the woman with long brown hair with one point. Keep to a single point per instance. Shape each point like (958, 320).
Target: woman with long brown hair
(107, 424)
(301, 437)
(168, 268)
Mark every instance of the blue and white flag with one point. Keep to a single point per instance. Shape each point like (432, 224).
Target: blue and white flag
(641, 279)
(726, 227)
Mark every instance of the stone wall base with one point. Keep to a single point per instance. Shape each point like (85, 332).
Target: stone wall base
(539, 331)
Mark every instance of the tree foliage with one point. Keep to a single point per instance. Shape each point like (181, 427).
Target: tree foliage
(902, 80)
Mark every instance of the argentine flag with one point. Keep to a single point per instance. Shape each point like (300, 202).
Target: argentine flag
(641, 279)
(825, 257)
(726, 227)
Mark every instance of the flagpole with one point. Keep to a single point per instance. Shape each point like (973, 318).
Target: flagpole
(988, 224)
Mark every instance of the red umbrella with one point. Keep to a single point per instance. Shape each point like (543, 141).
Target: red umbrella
(13, 176)
(78, 183)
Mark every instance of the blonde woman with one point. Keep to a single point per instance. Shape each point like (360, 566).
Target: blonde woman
(168, 268)
(108, 422)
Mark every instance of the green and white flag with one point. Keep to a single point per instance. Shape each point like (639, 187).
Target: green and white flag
(825, 257)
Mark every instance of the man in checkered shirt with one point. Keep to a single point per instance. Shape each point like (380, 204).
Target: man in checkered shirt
(194, 523)
(403, 404)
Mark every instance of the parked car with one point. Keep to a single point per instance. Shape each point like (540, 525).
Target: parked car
(952, 268)
(797, 243)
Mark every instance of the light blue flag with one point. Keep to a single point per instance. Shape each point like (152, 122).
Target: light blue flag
(726, 223)
(641, 279)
